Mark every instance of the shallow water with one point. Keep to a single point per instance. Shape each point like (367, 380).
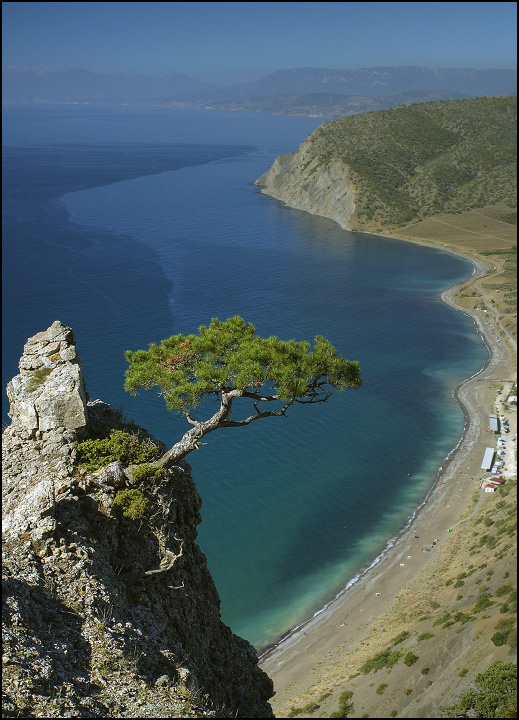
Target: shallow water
(293, 507)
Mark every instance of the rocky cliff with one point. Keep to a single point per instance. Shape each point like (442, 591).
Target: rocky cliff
(387, 169)
(105, 615)
(302, 183)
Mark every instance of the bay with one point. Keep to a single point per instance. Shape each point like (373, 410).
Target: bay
(130, 225)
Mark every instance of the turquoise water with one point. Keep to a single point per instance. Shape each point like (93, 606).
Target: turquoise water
(130, 226)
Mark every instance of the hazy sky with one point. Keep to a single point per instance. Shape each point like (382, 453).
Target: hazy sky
(241, 41)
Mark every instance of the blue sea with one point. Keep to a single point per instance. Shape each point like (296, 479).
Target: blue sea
(132, 224)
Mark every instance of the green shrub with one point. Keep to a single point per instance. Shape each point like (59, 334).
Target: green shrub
(462, 618)
(384, 659)
(463, 672)
(310, 708)
(504, 590)
(324, 696)
(505, 634)
(499, 638)
(483, 603)
(381, 688)
(133, 502)
(345, 707)
(294, 711)
(446, 616)
(494, 696)
(399, 638)
(119, 446)
(424, 671)
(146, 472)
(425, 636)
(410, 659)
(307, 709)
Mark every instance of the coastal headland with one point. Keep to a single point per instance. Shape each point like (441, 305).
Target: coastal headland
(442, 564)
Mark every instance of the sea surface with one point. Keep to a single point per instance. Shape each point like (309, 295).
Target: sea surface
(132, 224)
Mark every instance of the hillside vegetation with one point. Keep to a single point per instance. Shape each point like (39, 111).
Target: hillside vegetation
(444, 625)
(412, 162)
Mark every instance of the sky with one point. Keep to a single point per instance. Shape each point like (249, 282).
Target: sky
(232, 42)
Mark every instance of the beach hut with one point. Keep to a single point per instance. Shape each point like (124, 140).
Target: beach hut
(490, 488)
(488, 459)
(493, 423)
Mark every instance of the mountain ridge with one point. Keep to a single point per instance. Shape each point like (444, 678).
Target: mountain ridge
(76, 85)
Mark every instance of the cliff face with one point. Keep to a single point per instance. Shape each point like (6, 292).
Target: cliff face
(105, 616)
(391, 168)
(301, 183)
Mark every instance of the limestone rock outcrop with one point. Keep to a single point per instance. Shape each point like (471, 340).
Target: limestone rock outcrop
(105, 615)
(301, 183)
(49, 393)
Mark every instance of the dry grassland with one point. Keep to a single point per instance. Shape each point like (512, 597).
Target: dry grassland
(488, 235)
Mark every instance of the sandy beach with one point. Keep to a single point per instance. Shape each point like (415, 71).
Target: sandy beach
(358, 612)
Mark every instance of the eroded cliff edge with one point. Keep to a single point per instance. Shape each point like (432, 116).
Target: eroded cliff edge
(300, 182)
(392, 169)
(105, 615)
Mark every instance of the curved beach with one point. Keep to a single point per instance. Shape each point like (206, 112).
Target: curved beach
(359, 611)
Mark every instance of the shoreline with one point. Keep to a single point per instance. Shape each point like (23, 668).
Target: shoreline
(476, 272)
(289, 660)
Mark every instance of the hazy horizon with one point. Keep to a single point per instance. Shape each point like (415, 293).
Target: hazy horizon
(230, 43)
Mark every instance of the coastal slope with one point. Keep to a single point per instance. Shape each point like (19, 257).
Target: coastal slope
(405, 164)
(441, 173)
(412, 634)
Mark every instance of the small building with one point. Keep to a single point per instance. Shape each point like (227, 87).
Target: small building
(493, 423)
(512, 400)
(497, 480)
(490, 488)
(488, 459)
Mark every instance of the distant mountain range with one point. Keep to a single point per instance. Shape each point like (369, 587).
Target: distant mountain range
(300, 91)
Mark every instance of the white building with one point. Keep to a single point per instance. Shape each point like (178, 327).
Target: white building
(488, 459)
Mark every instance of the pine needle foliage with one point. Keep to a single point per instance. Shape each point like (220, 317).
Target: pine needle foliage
(228, 360)
(229, 356)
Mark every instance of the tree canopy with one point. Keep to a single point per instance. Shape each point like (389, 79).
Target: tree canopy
(494, 696)
(227, 361)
